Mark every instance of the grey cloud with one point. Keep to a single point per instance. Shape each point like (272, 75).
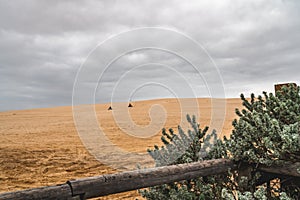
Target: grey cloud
(43, 44)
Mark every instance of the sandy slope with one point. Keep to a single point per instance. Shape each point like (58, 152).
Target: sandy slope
(41, 147)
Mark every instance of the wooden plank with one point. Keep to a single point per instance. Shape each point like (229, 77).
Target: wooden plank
(114, 183)
(278, 87)
(126, 181)
(51, 192)
(121, 182)
(289, 169)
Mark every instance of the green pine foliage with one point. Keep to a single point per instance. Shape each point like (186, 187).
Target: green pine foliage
(266, 132)
(185, 148)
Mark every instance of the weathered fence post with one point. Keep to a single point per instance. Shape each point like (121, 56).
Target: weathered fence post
(114, 183)
(126, 181)
(50, 193)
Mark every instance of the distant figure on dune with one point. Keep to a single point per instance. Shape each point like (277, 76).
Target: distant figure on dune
(110, 108)
(130, 105)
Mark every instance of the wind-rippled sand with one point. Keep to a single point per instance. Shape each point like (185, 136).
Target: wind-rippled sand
(41, 147)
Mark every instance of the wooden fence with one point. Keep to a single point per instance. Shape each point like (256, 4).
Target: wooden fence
(114, 183)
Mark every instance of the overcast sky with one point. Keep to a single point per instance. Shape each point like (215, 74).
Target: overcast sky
(247, 46)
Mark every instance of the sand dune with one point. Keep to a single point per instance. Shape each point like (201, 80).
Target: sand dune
(42, 147)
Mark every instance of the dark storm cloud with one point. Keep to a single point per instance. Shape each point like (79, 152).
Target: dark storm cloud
(43, 43)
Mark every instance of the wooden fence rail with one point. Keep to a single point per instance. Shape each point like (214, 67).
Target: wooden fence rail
(114, 183)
